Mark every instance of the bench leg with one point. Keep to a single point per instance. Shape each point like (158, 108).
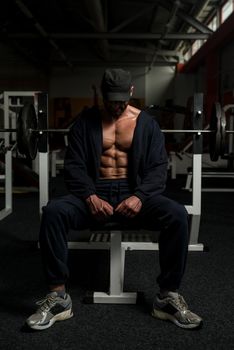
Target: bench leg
(188, 182)
(194, 234)
(117, 259)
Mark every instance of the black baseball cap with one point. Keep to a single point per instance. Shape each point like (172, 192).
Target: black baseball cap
(116, 84)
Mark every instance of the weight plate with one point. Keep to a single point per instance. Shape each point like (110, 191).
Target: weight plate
(215, 140)
(26, 139)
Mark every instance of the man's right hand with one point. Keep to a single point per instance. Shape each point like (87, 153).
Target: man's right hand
(99, 208)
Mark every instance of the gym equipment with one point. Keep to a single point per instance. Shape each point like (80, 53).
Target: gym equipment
(221, 173)
(115, 295)
(217, 138)
(28, 132)
(26, 140)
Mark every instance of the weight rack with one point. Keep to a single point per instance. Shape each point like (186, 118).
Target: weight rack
(5, 97)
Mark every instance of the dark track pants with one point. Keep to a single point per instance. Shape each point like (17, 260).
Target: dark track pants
(157, 213)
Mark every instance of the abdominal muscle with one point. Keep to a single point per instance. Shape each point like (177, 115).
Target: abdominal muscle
(114, 164)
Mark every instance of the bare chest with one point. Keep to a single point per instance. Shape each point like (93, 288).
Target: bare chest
(119, 134)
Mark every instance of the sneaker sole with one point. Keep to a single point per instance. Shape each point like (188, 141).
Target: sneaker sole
(167, 317)
(65, 315)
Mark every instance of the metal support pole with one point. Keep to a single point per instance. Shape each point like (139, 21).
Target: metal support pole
(196, 214)
(8, 162)
(8, 181)
(42, 110)
(197, 170)
(43, 179)
(116, 294)
(8, 186)
(116, 275)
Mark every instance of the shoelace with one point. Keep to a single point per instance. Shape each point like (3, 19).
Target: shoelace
(180, 302)
(47, 303)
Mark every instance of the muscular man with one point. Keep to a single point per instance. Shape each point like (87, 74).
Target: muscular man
(115, 169)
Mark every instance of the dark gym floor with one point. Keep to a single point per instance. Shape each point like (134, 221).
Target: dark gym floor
(207, 286)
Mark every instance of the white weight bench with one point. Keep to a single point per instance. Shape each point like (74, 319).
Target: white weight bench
(211, 173)
(117, 238)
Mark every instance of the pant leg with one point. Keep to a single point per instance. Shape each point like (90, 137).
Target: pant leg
(58, 216)
(62, 214)
(171, 219)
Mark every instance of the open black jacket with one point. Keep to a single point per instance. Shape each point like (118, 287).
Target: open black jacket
(147, 158)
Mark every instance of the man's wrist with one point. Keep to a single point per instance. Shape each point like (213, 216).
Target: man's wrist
(140, 196)
(137, 197)
(89, 198)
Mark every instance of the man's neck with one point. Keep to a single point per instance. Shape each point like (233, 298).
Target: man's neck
(114, 118)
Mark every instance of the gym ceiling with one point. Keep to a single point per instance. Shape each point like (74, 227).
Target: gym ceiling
(80, 33)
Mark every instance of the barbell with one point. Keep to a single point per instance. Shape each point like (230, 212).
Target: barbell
(28, 133)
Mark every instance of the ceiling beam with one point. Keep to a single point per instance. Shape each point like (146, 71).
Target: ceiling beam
(114, 36)
(145, 50)
(195, 23)
(116, 63)
(167, 28)
(186, 17)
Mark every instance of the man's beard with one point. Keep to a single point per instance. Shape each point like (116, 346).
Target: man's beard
(115, 110)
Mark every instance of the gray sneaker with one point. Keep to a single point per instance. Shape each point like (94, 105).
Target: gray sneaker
(174, 308)
(52, 308)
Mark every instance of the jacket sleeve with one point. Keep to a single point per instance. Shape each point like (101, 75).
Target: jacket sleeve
(154, 172)
(76, 174)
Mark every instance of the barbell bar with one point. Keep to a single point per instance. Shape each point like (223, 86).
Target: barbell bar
(27, 131)
(190, 131)
(173, 131)
(40, 131)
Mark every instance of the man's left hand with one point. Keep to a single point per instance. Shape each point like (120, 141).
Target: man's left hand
(129, 207)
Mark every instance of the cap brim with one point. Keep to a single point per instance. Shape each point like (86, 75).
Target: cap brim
(117, 96)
